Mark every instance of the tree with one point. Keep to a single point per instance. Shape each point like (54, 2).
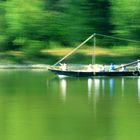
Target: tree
(3, 26)
(125, 17)
(24, 23)
(98, 16)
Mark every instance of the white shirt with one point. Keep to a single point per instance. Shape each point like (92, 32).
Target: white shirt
(138, 65)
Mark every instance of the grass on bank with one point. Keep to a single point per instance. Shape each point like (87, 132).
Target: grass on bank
(50, 56)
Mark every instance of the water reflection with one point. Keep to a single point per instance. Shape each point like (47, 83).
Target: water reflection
(90, 86)
(89, 106)
(97, 87)
(103, 87)
(93, 92)
(93, 88)
(139, 89)
(123, 88)
(111, 86)
(100, 87)
(63, 88)
(88, 112)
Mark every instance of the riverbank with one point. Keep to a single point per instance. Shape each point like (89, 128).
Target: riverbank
(117, 55)
(24, 66)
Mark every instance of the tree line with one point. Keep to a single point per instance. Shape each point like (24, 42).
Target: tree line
(31, 25)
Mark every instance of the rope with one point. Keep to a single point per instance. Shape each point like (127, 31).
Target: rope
(74, 49)
(119, 38)
(93, 35)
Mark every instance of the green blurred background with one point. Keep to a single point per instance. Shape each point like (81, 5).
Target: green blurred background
(29, 26)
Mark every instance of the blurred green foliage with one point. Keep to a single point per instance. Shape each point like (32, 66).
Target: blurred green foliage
(32, 25)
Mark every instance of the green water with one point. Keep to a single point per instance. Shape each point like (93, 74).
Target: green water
(36, 105)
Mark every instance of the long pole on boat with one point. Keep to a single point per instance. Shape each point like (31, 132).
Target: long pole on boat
(129, 64)
(94, 46)
(74, 49)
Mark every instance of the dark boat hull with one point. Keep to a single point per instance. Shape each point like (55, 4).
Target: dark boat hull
(92, 74)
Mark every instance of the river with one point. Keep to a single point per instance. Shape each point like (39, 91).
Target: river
(37, 105)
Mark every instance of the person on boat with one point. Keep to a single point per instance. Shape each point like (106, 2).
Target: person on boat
(138, 65)
(103, 68)
(123, 68)
(63, 67)
(137, 68)
(112, 68)
(90, 67)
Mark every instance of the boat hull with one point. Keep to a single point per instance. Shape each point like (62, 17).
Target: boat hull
(92, 74)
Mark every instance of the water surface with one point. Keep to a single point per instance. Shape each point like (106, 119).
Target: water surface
(37, 105)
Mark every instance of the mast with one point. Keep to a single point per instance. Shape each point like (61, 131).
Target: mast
(94, 46)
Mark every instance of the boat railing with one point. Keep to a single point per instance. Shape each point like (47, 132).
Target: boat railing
(96, 68)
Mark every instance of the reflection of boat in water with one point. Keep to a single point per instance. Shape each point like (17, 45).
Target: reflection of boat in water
(95, 69)
(63, 87)
(139, 89)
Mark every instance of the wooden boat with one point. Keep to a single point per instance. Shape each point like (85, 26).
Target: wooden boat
(93, 72)
(81, 73)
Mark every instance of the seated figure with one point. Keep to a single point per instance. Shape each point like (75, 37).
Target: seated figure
(139, 65)
(137, 68)
(90, 67)
(63, 67)
(103, 68)
(112, 68)
(123, 68)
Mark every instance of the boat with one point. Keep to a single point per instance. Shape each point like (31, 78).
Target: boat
(97, 70)
(74, 73)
